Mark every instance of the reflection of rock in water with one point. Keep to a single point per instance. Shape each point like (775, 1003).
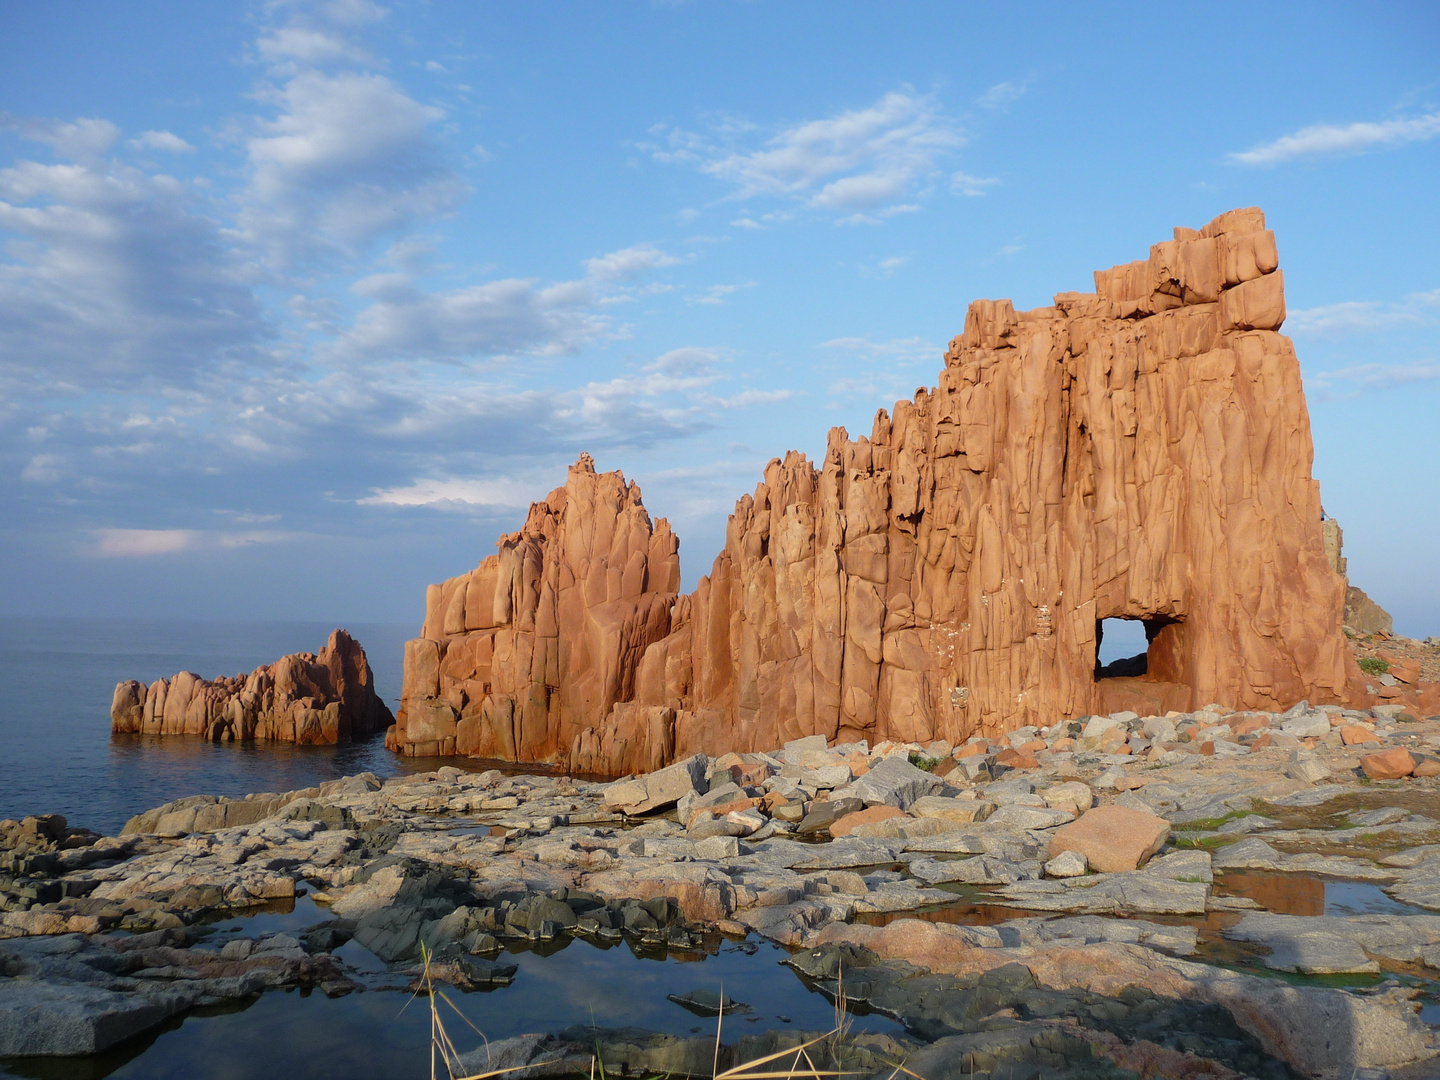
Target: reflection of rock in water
(1284, 894)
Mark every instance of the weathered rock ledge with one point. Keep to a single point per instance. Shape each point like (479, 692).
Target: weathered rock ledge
(301, 698)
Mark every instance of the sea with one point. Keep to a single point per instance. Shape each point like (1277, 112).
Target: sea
(58, 675)
(57, 678)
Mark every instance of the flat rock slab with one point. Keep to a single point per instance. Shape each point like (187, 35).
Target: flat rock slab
(1111, 894)
(842, 854)
(1419, 885)
(981, 870)
(1252, 853)
(1112, 838)
(39, 1017)
(1332, 944)
(1093, 929)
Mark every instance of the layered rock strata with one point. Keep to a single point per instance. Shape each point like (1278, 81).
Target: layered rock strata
(1139, 452)
(301, 698)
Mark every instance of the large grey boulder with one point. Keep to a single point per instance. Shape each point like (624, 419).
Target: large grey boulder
(38, 1017)
(1307, 724)
(659, 789)
(893, 782)
(796, 750)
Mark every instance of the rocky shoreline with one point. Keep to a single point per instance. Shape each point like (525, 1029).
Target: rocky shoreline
(1149, 871)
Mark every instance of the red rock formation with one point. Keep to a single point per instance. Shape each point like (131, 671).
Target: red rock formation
(1139, 452)
(524, 654)
(301, 698)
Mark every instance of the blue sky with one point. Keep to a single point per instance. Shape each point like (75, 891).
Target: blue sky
(301, 304)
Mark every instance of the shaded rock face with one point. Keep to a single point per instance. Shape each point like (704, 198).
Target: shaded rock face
(301, 698)
(1365, 615)
(1139, 452)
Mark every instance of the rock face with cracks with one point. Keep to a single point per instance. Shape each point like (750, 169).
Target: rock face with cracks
(1139, 452)
(301, 698)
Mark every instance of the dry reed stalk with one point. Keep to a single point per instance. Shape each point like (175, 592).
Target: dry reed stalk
(440, 1039)
(441, 1043)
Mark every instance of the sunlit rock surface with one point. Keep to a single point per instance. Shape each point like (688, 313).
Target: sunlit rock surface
(1138, 452)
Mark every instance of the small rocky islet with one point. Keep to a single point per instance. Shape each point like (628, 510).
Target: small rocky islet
(877, 735)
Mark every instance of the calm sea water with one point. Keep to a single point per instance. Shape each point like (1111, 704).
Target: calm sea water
(57, 677)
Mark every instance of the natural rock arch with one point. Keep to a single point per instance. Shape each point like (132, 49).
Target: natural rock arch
(1141, 452)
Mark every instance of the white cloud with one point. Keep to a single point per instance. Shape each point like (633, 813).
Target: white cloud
(685, 363)
(141, 543)
(159, 334)
(716, 294)
(77, 140)
(1359, 316)
(746, 399)
(457, 493)
(1352, 381)
(1003, 93)
(628, 263)
(495, 319)
(162, 140)
(879, 371)
(965, 184)
(901, 350)
(848, 163)
(42, 469)
(126, 543)
(116, 273)
(1329, 140)
(348, 158)
(308, 46)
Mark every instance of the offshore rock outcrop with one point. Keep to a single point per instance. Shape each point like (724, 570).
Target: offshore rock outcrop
(1139, 452)
(301, 698)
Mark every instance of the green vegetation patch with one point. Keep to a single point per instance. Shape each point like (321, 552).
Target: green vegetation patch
(1373, 665)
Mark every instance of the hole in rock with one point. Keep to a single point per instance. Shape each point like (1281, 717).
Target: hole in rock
(1127, 648)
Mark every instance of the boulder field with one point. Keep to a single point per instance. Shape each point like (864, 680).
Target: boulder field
(1142, 452)
(301, 698)
(1048, 904)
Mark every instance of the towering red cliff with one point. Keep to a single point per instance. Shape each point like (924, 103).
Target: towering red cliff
(1139, 452)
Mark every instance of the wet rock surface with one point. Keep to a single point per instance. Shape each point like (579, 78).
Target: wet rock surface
(1123, 970)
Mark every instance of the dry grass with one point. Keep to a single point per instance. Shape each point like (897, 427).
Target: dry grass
(443, 1051)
